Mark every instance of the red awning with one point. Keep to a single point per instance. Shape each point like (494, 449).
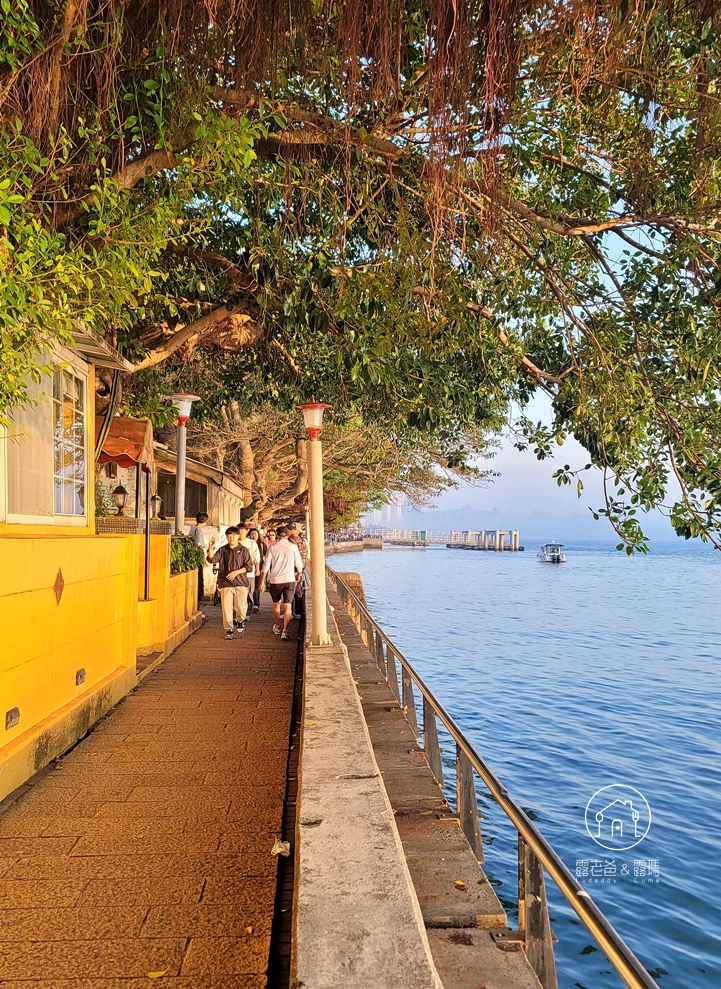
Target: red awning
(129, 442)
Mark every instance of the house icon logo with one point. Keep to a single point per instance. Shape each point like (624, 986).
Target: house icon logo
(618, 817)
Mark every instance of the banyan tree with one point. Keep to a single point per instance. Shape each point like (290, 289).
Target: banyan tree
(426, 210)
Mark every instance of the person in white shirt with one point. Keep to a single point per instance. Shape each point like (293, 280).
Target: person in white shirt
(197, 531)
(282, 568)
(252, 548)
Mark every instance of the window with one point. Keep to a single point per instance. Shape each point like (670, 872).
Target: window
(68, 443)
(29, 454)
(46, 450)
(196, 496)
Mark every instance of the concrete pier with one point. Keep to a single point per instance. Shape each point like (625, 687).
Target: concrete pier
(486, 540)
(344, 546)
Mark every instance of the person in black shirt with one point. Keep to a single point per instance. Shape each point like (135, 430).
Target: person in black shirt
(234, 563)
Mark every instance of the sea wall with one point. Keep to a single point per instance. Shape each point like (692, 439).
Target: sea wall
(349, 546)
(357, 919)
(353, 545)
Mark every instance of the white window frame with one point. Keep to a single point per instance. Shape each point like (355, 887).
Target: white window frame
(81, 369)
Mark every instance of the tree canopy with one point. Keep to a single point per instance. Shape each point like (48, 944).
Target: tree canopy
(420, 211)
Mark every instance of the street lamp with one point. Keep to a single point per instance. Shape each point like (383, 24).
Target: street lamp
(120, 496)
(313, 419)
(183, 406)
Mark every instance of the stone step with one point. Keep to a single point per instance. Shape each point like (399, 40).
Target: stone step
(452, 889)
(471, 959)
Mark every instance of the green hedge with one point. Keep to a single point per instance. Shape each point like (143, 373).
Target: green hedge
(185, 554)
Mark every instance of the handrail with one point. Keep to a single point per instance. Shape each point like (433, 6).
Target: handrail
(609, 940)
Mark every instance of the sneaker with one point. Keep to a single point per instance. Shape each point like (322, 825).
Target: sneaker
(229, 634)
(256, 607)
(277, 629)
(241, 628)
(284, 635)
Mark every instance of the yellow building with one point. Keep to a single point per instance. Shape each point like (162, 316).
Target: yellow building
(74, 636)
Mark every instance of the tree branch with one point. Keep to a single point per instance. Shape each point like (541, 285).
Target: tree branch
(473, 307)
(235, 330)
(291, 363)
(328, 130)
(574, 226)
(128, 176)
(229, 268)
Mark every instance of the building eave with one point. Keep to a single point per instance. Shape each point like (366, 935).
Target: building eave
(95, 350)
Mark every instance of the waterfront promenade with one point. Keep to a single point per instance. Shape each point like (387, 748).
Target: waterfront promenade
(143, 856)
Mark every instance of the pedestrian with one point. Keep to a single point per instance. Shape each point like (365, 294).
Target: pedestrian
(282, 569)
(234, 565)
(254, 534)
(296, 537)
(199, 534)
(252, 548)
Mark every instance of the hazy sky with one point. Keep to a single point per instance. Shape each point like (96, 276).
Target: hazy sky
(526, 484)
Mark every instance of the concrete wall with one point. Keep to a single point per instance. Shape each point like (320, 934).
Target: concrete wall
(70, 603)
(69, 607)
(355, 582)
(46, 641)
(173, 600)
(353, 546)
(182, 599)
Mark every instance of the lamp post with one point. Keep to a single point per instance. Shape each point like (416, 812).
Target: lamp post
(183, 405)
(120, 495)
(156, 501)
(313, 418)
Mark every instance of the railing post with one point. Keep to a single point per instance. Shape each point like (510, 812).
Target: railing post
(393, 673)
(467, 805)
(533, 907)
(376, 648)
(430, 742)
(521, 883)
(409, 701)
(381, 656)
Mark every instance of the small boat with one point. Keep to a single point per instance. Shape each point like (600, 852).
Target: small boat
(552, 553)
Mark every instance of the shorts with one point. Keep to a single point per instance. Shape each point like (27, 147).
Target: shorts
(286, 592)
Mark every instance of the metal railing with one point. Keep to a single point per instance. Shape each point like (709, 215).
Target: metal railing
(534, 853)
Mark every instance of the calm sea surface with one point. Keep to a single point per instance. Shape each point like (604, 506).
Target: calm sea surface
(567, 679)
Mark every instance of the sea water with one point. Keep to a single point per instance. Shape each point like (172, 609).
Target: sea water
(605, 671)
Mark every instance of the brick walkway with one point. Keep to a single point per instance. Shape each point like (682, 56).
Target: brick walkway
(143, 858)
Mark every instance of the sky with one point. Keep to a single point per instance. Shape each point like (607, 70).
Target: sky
(525, 496)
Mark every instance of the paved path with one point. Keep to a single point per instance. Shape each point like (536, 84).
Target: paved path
(143, 858)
